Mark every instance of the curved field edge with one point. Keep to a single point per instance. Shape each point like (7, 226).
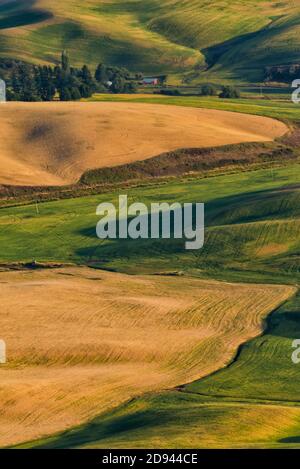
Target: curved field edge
(192, 416)
(182, 163)
(55, 143)
(283, 110)
(137, 334)
(284, 151)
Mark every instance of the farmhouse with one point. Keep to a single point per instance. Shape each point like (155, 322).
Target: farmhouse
(154, 81)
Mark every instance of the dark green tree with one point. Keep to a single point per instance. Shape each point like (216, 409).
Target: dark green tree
(101, 74)
(130, 87)
(84, 90)
(65, 63)
(230, 92)
(87, 81)
(65, 94)
(118, 84)
(45, 83)
(208, 90)
(28, 86)
(75, 93)
(16, 85)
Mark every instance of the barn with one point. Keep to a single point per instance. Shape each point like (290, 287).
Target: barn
(153, 81)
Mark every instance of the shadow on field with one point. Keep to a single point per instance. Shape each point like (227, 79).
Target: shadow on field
(290, 439)
(24, 18)
(107, 426)
(233, 227)
(285, 325)
(285, 321)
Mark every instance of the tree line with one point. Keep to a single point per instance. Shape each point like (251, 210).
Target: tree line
(227, 92)
(27, 82)
(282, 73)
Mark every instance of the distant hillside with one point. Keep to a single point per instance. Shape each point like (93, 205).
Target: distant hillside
(236, 39)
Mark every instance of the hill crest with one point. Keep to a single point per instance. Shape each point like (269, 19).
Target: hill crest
(236, 39)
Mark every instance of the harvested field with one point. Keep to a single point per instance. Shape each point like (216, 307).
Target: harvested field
(81, 341)
(55, 143)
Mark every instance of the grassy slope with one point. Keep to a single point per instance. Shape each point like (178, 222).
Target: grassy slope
(279, 109)
(275, 44)
(252, 229)
(92, 32)
(237, 39)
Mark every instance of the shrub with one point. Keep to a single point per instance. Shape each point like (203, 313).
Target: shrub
(170, 92)
(208, 90)
(230, 92)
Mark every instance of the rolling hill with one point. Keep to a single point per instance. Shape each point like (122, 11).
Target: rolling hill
(116, 337)
(55, 143)
(141, 343)
(252, 235)
(106, 337)
(237, 39)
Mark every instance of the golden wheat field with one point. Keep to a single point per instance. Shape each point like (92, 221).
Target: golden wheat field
(81, 341)
(54, 143)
